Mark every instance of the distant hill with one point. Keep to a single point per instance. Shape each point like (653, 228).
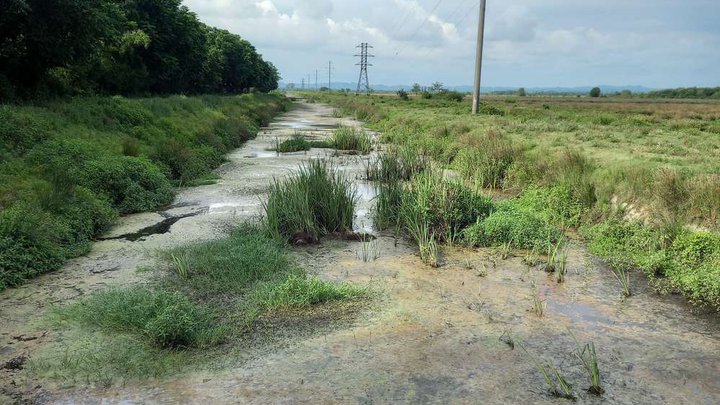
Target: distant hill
(491, 89)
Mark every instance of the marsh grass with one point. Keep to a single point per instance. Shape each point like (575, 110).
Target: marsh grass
(297, 290)
(395, 165)
(621, 272)
(184, 320)
(167, 320)
(558, 385)
(297, 143)
(351, 139)
(430, 210)
(313, 202)
(370, 250)
(578, 164)
(557, 260)
(588, 357)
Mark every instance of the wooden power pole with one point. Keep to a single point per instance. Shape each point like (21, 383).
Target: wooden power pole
(478, 61)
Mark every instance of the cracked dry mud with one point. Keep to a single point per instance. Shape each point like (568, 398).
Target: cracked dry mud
(430, 336)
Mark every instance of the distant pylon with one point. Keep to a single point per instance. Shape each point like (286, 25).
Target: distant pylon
(364, 55)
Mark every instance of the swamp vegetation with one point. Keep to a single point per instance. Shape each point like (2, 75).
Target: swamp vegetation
(638, 181)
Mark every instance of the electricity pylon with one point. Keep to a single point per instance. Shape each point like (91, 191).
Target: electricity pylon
(364, 55)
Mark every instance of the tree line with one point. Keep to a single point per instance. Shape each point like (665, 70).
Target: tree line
(126, 47)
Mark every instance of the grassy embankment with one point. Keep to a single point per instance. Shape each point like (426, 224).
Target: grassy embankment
(639, 180)
(69, 168)
(211, 301)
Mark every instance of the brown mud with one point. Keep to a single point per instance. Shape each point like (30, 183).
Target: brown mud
(432, 336)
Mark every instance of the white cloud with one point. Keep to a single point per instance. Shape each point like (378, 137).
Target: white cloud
(527, 42)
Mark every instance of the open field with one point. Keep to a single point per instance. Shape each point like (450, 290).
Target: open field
(640, 181)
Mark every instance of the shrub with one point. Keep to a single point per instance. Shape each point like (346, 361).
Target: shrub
(403, 95)
(316, 201)
(132, 184)
(452, 96)
(556, 204)
(618, 240)
(32, 242)
(517, 226)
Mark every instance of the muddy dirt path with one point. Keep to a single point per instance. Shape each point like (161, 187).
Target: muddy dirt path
(433, 334)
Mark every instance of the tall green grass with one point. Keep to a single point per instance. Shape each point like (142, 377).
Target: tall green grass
(313, 202)
(351, 139)
(430, 210)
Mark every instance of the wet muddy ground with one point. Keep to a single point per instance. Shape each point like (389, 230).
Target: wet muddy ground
(431, 336)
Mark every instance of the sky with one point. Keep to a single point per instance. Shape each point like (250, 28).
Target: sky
(528, 43)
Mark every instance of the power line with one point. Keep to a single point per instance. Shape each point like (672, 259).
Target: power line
(458, 23)
(419, 27)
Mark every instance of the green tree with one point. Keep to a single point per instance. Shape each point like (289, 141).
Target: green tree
(595, 92)
(521, 92)
(416, 88)
(437, 87)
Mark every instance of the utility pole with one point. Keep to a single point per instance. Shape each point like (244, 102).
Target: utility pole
(364, 55)
(303, 83)
(330, 77)
(316, 80)
(308, 82)
(479, 54)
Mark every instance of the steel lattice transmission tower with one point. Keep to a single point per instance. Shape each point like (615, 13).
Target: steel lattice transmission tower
(364, 56)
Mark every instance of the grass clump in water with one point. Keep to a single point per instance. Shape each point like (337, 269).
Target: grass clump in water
(587, 356)
(397, 164)
(297, 143)
(167, 320)
(559, 386)
(300, 291)
(431, 210)
(227, 266)
(351, 139)
(316, 201)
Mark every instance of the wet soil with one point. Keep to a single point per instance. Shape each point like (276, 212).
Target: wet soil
(431, 335)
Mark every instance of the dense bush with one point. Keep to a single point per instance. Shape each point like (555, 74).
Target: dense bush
(515, 225)
(70, 167)
(132, 184)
